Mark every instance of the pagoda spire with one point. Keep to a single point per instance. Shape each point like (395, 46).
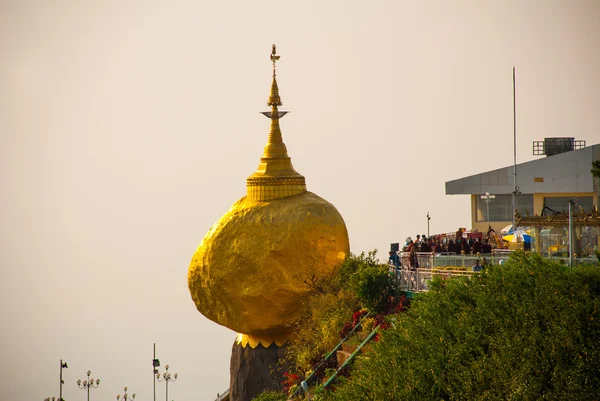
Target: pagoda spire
(275, 146)
(275, 176)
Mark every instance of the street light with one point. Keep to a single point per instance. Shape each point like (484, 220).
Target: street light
(487, 198)
(125, 397)
(155, 365)
(63, 365)
(428, 218)
(572, 203)
(87, 384)
(166, 377)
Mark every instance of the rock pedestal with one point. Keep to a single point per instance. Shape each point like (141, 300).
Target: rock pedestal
(254, 370)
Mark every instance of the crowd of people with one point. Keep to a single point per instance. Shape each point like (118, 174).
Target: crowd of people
(442, 244)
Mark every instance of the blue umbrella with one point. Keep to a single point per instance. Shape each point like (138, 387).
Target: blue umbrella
(518, 236)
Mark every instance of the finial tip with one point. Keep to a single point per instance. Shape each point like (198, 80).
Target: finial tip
(274, 56)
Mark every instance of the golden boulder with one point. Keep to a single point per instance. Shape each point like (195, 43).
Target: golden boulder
(246, 273)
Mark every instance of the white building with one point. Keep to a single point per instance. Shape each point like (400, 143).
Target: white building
(550, 181)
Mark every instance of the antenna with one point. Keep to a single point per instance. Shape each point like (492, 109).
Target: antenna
(516, 187)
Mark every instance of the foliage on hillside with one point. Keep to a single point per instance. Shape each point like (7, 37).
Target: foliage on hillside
(526, 330)
(338, 303)
(270, 396)
(360, 282)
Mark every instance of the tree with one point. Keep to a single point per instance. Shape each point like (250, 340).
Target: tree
(361, 281)
(596, 168)
(527, 330)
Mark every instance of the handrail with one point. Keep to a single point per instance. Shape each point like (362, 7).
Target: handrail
(366, 340)
(428, 260)
(222, 396)
(329, 354)
(415, 280)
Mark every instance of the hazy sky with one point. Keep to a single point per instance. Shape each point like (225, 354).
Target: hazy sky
(127, 128)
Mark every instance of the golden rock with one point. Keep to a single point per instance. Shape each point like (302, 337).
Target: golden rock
(246, 274)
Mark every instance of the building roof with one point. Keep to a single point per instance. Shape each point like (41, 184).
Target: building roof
(564, 172)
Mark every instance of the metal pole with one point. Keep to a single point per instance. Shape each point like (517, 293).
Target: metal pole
(570, 234)
(61, 382)
(88, 389)
(514, 198)
(428, 218)
(167, 394)
(153, 370)
(487, 207)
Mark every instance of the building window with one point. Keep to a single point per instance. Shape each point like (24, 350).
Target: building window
(561, 204)
(501, 208)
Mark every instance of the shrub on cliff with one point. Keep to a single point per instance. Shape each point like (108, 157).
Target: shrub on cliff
(361, 281)
(270, 396)
(526, 330)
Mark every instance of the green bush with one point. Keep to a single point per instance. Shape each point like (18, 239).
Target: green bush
(360, 281)
(270, 396)
(318, 332)
(526, 330)
(370, 284)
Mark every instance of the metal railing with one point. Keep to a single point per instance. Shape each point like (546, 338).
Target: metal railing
(576, 260)
(417, 269)
(224, 396)
(333, 351)
(416, 280)
(431, 260)
(351, 357)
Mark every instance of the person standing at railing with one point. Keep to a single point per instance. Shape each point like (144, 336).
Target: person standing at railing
(477, 246)
(486, 247)
(477, 267)
(459, 234)
(451, 247)
(465, 247)
(394, 258)
(414, 259)
(424, 246)
(471, 241)
(439, 247)
(458, 247)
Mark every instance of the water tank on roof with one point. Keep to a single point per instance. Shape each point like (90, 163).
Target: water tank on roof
(555, 146)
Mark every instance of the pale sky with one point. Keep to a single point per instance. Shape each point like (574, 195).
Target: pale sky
(127, 128)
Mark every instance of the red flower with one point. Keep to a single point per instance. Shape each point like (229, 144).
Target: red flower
(358, 315)
(291, 380)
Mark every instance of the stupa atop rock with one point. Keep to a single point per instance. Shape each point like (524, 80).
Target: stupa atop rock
(275, 176)
(245, 273)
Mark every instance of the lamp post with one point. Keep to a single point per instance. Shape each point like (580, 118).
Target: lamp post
(166, 377)
(88, 384)
(428, 218)
(63, 365)
(125, 397)
(487, 198)
(155, 365)
(572, 202)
